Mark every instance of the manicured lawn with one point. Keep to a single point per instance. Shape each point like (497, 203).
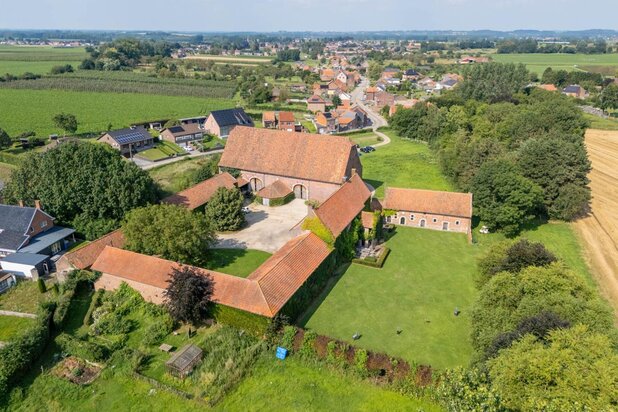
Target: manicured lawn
(24, 297)
(291, 386)
(538, 62)
(403, 164)
(237, 262)
(426, 276)
(11, 326)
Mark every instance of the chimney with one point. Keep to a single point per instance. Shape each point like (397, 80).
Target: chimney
(353, 172)
(37, 204)
(21, 203)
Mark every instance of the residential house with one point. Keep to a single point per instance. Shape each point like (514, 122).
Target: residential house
(7, 280)
(384, 99)
(327, 75)
(28, 238)
(315, 166)
(320, 89)
(325, 122)
(129, 140)
(429, 209)
(316, 104)
(575, 91)
(370, 93)
(411, 75)
(222, 122)
(471, 60)
(183, 135)
(404, 104)
(269, 120)
(336, 86)
(548, 87)
(286, 121)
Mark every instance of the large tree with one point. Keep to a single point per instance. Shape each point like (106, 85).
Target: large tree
(503, 198)
(66, 122)
(493, 82)
(188, 296)
(81, 183)
(575, 370)
(170, 231)
(224, 209)
(5, 139)
(609, 97)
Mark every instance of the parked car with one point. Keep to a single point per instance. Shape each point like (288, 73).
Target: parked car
(245, 209)
(367, 149)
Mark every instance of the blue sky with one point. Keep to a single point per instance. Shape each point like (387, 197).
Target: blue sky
(315, 15)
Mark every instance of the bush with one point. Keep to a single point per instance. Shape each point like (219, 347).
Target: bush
(287, 340)
(41, 285)
(82, 349)
(307, 348)
(94, 303)
(317, 227)
(360, 361)
(254, 324)
(158, 330)
(372, 261)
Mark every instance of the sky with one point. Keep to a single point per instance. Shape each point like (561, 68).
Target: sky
(309, 15)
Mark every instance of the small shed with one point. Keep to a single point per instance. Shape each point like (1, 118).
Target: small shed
(181, 363)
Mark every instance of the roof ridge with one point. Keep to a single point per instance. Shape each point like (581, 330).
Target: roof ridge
(304, 237)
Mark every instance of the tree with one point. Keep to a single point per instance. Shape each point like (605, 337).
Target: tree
(81, 183)
(5, 139)
(423, 122)
(188, 296)
(493, 82)
(575, 370)
(207, 169)
(66, 122)
(609, 97)
(503, 198)
(375, 70)
(224, 209)
(170, 231)
(336, 101)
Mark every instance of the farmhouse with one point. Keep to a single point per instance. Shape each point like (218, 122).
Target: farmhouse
(316, 104)
(128, 140)
(183, 135)
(429, 209)
(575, 91)
(222, 122)
(312, 166)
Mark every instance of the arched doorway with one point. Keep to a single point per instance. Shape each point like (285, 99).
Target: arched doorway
(255, 184)
(402, 220)
(300, 192)
(422, 223)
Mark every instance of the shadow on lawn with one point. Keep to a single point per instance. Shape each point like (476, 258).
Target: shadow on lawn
(217, 258)
(374, 183)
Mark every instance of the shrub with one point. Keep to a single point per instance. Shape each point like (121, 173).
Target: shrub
(372, 261)
(317, 227)
(41, 284)
(158, 330)
(94, 303)
(360, 361)
(287, 340)
(82, 349)
(307, 348)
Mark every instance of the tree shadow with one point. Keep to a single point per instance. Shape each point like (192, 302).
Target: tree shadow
(217, 258)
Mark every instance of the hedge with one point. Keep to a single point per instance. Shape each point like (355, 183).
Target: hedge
(81, 348)
(378, 263)
(280, 201)
(10, 158)
(19, 354)
(250, 322)
(94, 303)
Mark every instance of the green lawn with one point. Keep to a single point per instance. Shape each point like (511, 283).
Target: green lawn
(600, 123)
(403, 164)
(237, 262)
(291, 386)
(162, 150)
(11, 326)
(5, 171)
(24, 297)
(94, 111)
(538, 62)
(174, 177)
(426, 276)
(365, 139)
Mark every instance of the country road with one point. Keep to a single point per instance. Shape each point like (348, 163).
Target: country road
(377, 120)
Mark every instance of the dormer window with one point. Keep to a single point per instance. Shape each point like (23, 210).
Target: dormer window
(43, 224)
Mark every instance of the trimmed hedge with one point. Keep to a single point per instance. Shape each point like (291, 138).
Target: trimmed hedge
(250, 322)
(280, 201)
(374, 263)
(19, 354)
(94, 303)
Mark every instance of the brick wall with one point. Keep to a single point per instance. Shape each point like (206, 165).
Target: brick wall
(319, 191)
(149, 293)
(414, 219)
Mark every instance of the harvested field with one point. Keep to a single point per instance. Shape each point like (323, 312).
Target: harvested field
(599, 231)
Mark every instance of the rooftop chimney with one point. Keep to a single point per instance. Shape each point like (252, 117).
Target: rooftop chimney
(21, 203)
(37, 204)
(353, 172)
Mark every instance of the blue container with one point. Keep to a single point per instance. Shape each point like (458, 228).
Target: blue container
(282, 353)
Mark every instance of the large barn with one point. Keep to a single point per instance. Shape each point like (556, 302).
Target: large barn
(312, 166)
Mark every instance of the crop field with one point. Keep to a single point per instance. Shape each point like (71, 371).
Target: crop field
(538, 62)
(38, 60)
(26, 110)
(128, 82)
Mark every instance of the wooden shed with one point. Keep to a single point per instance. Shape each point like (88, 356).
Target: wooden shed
(182, 362)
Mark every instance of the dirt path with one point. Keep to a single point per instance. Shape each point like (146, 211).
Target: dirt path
(599, 231)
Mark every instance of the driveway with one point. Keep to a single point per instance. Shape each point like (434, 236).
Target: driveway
(268, 228)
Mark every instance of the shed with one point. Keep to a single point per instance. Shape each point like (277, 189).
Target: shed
(28, 265)
(181, 363)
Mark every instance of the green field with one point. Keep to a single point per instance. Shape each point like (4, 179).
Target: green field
(538, 62)
(426, 276)
(237, 262)
(600, 123)
(174, 177)
(24, 297)
(25, 110)
(403, 164)
(11, 326)
(364, 139)
(17, 60)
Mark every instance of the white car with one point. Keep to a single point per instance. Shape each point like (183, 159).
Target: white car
(245, 209)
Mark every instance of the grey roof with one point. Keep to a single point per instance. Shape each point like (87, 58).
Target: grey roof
(572, 89)
(31, 259)
(46, 239)
(232, 117)
(129, 135)
(14, 224)
(184, 357)
(411, 72)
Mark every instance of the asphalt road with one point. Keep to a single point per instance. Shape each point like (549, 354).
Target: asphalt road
(377, 120)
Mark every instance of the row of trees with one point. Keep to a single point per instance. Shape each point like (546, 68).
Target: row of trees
(534, 46)
(521, 154)
(123, 54)
(543, 338)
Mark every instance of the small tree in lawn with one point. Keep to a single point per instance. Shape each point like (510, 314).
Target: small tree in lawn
(188, 295)
(224, 210)
(66, 122)
(5, 140)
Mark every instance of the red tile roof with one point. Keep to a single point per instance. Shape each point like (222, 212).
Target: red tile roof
(85, 256)
(277, 152)
(367, 220)
(286, 117)
(268, 116)
(429, 201)
(548, 87)
(315, 99)
(338, 211)
(200, 194)
(275, 190)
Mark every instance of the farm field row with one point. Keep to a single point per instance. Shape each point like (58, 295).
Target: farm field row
(37, 59)
(538, 62)
(32, 110)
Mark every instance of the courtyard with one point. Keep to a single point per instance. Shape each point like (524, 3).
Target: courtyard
(267, 228)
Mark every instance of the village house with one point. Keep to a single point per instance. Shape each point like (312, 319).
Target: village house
(183, 135)
(286, 121)
(316, 104)
(548, 87)
(29, 239)
(327, 75)
(383, 99)
(315, 166)
(429, 209)
(269, 120)
(222, 122)
(575, 91)
(325, 122)
(129, 140)
(404, 104)
(411, 75)
(281, 120)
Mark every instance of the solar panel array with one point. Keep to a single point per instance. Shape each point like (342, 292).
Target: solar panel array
(132, 137)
